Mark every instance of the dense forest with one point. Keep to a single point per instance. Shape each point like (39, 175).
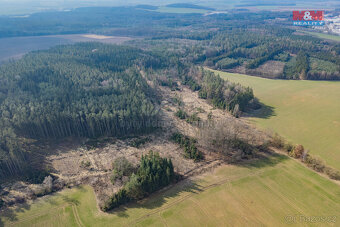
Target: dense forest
(86, 90)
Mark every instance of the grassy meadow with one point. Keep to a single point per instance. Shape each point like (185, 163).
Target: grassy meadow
(324, 36)
(304, 112)
(271, 192)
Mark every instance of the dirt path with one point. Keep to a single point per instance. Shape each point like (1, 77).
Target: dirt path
(163, 220)
(76, 215)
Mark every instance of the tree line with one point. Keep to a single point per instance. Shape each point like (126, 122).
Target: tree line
(224, 94)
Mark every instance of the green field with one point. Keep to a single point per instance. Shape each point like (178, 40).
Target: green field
(264, 193)
(324, 36)
(304, 112)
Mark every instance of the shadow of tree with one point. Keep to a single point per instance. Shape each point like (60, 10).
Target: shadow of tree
(160, 198)
(70, 200)
(11, 214)
(264, 161)
(264, 112)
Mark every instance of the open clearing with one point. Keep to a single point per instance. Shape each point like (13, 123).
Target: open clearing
(324, 36)
(304, 112)
(262, 193)
(94, 36)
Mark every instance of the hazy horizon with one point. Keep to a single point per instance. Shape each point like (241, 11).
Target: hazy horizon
(22, 7)
(14, 7)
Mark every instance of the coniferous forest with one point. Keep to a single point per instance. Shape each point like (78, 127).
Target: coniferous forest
(84, 90)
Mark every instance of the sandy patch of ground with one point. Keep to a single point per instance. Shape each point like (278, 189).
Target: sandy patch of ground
(94, 36)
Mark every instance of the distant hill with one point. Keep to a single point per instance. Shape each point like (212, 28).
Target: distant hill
(188, 5)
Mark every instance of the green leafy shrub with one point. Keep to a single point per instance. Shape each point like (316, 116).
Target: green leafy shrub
(200, 110)
(189, 145)
(193, 85)
(177, 100)
(85, 164)
(181, 114)
(193, 118)
(139, 141)
(121, 167)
